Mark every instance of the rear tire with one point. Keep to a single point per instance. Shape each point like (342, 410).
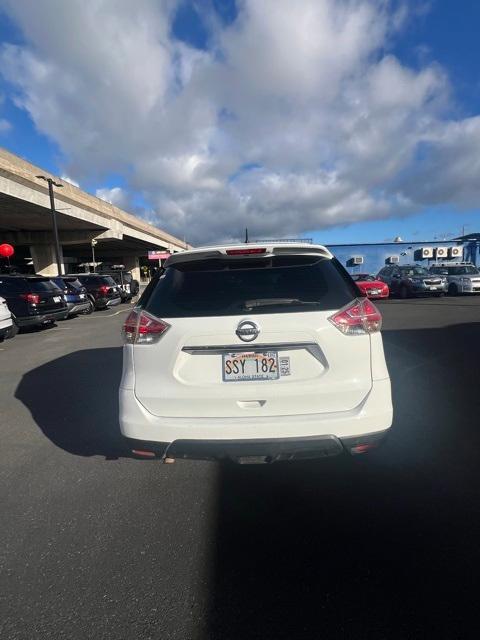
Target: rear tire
(134, 288)
(14, 329)
(403, 292)
(452, 289)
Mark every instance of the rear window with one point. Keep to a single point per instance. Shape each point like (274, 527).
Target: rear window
(75, 283)
(41, 285)
(11, 285)
(97, 280)
(362, 277)
(115, 277)
(72, 283)
(464, 270)
(227, 287)
(127, 278)
(413, 271)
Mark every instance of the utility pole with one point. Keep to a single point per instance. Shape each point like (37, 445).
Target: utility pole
(51, 184)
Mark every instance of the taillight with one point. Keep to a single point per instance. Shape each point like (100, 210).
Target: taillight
(359, 317)
(31, 298)
(142, 328)
(104, 289)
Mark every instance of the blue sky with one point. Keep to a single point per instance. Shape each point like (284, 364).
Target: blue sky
(435, 35)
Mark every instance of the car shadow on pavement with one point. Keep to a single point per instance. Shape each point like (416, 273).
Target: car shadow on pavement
(380, 546)
(74, 401)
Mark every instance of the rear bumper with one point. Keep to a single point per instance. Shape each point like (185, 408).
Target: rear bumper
(421, 290)
(319, 434)
(5, 332)
(259, 451)
(105, 303)
(5, 324)
(31, 321)
(77, 307)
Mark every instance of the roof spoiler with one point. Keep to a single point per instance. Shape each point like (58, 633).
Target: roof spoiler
(212, 254)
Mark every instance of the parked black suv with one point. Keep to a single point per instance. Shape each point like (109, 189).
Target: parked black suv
(33, 300)
(75, 295)
(128, 286)
(101, 290)
(408, 280)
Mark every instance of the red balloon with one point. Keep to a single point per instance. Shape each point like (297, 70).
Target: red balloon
(6, 250)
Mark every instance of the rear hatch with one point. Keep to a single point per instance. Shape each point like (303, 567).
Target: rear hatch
(122, 280)
(76, 292)
(113, 289)
(43, 296)
(292, 360)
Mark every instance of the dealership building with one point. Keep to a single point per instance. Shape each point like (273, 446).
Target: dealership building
(371, 257)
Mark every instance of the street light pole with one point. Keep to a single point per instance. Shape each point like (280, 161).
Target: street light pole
(93, 243)
(51, 184)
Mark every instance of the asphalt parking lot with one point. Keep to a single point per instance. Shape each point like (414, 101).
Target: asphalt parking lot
(96, 544)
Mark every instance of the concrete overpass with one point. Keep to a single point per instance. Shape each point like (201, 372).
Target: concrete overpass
(26, 222)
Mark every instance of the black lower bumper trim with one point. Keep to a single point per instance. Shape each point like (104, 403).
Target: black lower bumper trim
(29, 321)
(257, 450)
(245, 451)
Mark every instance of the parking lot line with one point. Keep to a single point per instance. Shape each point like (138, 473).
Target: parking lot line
(115, 314)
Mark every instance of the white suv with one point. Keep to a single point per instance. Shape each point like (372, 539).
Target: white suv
(255, 353)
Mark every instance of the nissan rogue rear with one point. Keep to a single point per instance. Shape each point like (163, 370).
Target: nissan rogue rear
(256, 353)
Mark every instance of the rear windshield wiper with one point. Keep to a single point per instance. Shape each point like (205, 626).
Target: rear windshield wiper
(274, 302)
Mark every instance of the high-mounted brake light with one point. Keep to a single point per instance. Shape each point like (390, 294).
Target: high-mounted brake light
(31, 298)
(246, 252)
(359, 317)
(142, 328)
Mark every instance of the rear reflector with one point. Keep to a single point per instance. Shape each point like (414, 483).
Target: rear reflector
(359, 317)
(144, 454)
(142, 328)
(363, 448)
(245, 252)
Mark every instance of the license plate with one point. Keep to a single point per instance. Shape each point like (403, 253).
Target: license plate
(245, 366)
(57, 298)
(433, 288)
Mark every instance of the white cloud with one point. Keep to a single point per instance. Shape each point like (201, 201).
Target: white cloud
(116, 196)
(295, 119)
(70, 180)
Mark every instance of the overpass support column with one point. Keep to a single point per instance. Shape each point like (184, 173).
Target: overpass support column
(44, 260)
(131, 264)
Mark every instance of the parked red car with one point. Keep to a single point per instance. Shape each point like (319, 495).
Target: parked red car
(370, 286)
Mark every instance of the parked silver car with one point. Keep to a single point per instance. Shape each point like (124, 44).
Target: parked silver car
(462, 277)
